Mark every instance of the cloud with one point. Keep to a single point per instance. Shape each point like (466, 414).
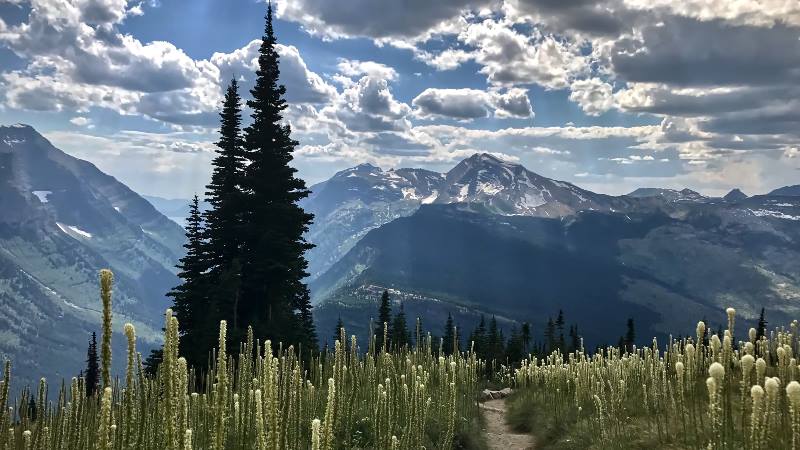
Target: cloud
(592, 95)
(302, 85)
(355, 69)
(374, 18)
(510, 58)
(80, 121)
(77, 59)
(593, 17)
(681, 51)
(368, 105)
(469, 104)
(459, 104)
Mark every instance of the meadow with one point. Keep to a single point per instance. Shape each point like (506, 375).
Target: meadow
(702, 392)
(697, 393)
(262, 396)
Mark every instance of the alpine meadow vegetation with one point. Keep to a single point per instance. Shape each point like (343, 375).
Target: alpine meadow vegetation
(696, 393)
(260, 396)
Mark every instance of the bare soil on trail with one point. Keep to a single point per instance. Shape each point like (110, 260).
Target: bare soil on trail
(498, 434)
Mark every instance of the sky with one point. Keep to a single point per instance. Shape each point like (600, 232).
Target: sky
(611, 95)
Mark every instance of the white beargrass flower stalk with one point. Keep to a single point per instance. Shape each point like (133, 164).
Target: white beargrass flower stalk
(793, 394)
(106, 281)
(104, 431)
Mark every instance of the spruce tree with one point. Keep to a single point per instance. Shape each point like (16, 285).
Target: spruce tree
(495, 343)
(525, 335)
(449, 336)
(92, 377)
(273, 297)
(384, 322)
(337, 333)
(560, 330)
(479, 338)
(224, 219)
(190, 302)
(154, 359)
(514, 352)
(630, 335)
(761, 329)
(575, 338)
(550, 336)
(400, 334)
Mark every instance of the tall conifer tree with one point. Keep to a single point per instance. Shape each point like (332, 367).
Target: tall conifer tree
(224, 220)
(273, 296)
(190, 302)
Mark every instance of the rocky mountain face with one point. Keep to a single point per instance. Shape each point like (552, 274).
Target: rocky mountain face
(63, 220)
(357, 200)
(498, 239)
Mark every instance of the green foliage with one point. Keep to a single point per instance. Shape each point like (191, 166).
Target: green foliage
(688, 395)
(262, 397)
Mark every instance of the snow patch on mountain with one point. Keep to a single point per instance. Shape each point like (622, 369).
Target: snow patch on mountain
(72, 230)
(42, 195)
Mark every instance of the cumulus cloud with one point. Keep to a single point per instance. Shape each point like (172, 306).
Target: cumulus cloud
(592, 95)
(510, 58)
(469, 104)
(77, 59)
(375, 18)
(354, 68)
(302, 84)
(368, 105)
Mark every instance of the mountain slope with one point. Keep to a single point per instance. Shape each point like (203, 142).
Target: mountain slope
(654, 264)
(786, 191)
(357, 200)
(66, 220)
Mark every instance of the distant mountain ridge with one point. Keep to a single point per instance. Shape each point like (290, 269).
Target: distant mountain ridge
(64, 220)
(787, 191)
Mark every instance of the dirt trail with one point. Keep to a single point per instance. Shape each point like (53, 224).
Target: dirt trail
(498, 434)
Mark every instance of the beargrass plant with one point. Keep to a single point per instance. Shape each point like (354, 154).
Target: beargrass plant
(687, 395)
(264, 395)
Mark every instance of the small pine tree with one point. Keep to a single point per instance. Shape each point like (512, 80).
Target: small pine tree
(575, 338)
(630, 335)
(761, 329)
(400, 334)
(496, 344)
(525, 335)
(384, 322)
(560, 330)
(514, 352)
(337, 333)
(150, 365)
(479, 338)
(449, 337)
(92, 377)
(550, 336)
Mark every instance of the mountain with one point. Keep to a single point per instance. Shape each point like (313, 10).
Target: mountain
(658, 256)
(787, 191)
(670, 195)
(735, 195)
(357, 200)
(176, 209)
(63, 221)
